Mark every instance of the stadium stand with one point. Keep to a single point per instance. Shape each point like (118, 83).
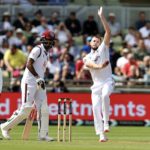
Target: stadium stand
(22, 27)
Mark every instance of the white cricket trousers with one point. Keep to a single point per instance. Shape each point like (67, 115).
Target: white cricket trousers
(30, 95)
(101, 103)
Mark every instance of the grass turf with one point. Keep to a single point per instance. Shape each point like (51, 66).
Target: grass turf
(83, 138)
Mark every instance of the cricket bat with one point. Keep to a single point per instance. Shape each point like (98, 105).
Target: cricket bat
(28, 124)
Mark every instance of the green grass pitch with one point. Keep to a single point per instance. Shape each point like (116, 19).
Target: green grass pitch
(83, 138)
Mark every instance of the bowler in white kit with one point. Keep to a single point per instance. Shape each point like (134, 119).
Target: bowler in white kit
(97, 61)
(33, 90)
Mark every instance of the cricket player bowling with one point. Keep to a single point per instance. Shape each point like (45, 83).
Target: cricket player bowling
(97, 61)
(33, 89)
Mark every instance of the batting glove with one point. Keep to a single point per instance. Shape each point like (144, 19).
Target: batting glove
(41, 83)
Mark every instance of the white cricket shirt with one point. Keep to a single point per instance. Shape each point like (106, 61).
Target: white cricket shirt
(99, 76)
(40, 56)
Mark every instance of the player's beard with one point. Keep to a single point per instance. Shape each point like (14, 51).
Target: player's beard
(47, 47)
(95, 48)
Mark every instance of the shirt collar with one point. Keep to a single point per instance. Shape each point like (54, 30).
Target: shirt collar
(93, 51)
(44, 49)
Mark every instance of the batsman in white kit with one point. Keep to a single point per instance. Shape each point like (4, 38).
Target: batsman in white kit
(97, 61)
(33, 90)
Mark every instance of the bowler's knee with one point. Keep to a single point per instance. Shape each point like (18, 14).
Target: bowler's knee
(105, 96)
(95, 105)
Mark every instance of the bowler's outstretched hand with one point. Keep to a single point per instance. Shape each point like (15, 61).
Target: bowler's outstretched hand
(100, 11)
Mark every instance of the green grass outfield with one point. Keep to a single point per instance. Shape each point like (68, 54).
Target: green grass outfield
(83, 138)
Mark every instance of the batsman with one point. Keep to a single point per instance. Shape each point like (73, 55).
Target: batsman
(33, 90)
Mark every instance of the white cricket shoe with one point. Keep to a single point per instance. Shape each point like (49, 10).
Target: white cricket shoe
(46, 138)
(103, 138)
(106, 127)
(5, 133)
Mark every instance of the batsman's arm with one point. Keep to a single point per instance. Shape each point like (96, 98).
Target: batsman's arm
(33, 56)
(107, 35)
(31, 68)
(40, 81)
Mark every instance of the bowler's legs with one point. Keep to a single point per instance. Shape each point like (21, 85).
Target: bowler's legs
(97, 113)
(106, 91)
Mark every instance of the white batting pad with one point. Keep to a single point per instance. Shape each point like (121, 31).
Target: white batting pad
(43, 121)
(17, 117)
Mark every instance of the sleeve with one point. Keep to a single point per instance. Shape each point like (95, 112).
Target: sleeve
(6, 55)
(35, 52)
(22, 56)
(86, 59)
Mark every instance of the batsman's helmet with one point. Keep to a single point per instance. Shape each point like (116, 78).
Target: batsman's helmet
(48, 39)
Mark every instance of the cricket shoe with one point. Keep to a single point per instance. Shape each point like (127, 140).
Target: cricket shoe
(103, 138)
(5, 133)
(106, 128)
(46, 138)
